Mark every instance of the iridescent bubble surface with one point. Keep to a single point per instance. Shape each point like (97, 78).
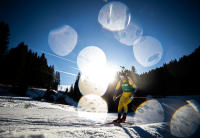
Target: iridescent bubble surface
(150, 111)
(114, 16)
(186, 120)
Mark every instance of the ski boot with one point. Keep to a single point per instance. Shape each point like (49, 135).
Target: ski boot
(123, 118)
(118, 119)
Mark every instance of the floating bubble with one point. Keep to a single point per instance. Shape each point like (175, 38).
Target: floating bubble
(62, 40)
(154, 57)
(89, 85)
(147, 51)
(93, 107)
(97, 82)
(186, 120)
(129, 35)
(114, 16)
(91, 59)
(95, 73)
(150, 111)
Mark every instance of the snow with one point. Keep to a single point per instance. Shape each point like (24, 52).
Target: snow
(24, 117)
(63, 87)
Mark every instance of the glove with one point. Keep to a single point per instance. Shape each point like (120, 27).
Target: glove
(131, 98)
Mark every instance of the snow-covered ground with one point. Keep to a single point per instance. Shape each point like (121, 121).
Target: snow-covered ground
(24, 117)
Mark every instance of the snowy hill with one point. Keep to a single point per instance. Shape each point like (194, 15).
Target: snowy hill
(24, 117)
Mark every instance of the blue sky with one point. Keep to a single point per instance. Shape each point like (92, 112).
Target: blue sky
(175, 23)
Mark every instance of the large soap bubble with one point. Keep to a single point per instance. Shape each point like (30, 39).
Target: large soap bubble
(114, 16)
(62, 40)
(93, 107)
(147, 51)
(89, 85)
(95, 83)
(186, 120)
(95, 73)
(91, 59)
(130, 35)
(150, 111)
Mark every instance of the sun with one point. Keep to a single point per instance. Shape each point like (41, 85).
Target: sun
(97, 81)
(103, 76)
(92, 63)
(96, 73)
(91, 59)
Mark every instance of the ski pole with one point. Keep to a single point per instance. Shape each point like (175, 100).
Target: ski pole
(137, 97)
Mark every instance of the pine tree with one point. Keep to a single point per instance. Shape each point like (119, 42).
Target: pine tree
(4, 41)
(77, 93)
(56, 81)
(4, 38)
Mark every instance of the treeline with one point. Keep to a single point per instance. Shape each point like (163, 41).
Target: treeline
(175, 78)
(23, 68)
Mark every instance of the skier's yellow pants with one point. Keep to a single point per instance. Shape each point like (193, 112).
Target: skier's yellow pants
(124, 101)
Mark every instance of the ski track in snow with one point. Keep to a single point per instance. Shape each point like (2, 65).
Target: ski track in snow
(24, 117)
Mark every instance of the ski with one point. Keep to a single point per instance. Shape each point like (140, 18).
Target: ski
(104, 124)
(115, 124)
(124, 124)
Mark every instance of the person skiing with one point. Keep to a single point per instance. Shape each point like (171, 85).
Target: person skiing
(129, 89)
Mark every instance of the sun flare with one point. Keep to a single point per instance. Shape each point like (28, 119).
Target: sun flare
(97, 81)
